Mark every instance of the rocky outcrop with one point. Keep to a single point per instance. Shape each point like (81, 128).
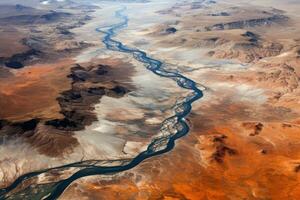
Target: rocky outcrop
(249, 51)
(19, 60)
(171, 30)
(282, 76)
(254, 127)
(52, 142)
(297, 168)
(87, 88)
(276, 18)
(54, 137)
(219, 14)
(9, 130)
(221, 149)
(46, 34)
(46, 139)
(28, 19)
(252, 37)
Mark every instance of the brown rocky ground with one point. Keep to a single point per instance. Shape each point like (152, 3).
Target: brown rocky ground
(32, 35)
(244, 142)
(45, 96)
(244, 139)
(62, 101)
(46, 80)
(10, 42)
(233, 152)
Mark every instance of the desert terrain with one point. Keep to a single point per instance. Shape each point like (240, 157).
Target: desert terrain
(79, 110)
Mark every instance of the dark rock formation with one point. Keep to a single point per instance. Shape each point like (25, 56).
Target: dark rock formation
(252, 36)
(254, 127)
(221, 148)
(297, 168)
(34, 18)
(221, 151)
(10, 130)
(77, 104)
(257, 129)
(248, 23)
(263, 151)
(219, 14)
(19, 60)
(54, 137)
(64, 31)
(171, 30)
(54, 16)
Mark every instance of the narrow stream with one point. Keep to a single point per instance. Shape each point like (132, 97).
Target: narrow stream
(158, 146)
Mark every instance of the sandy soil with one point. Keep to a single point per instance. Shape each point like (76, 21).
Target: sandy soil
(244, 138)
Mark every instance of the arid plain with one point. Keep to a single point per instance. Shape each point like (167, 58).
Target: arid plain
(65, 98)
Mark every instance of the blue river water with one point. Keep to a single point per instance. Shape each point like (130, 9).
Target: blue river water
(155, 147)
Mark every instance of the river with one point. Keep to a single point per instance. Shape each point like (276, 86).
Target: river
(158, 146)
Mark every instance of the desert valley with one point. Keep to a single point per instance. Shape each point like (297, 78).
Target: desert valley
(149, 99)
